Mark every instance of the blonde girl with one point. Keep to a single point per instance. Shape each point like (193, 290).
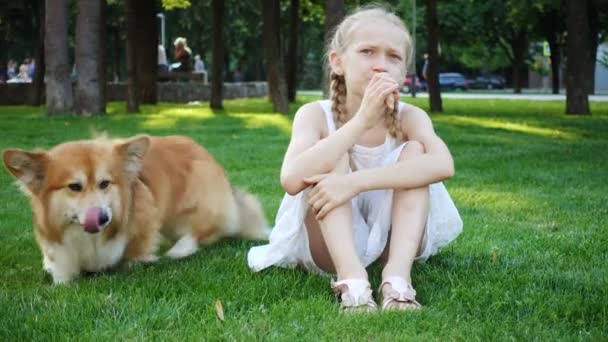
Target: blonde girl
(363, 173)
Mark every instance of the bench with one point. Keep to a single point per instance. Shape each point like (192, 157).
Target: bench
(175, 76)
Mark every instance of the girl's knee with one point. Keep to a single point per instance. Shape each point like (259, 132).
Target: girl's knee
(411, 149)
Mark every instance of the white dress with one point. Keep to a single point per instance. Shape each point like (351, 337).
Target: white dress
(288, 242)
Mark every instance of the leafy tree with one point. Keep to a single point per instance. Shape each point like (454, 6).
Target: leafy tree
(578, 50)
(132, 56)
(292, 52)
(59, 97)
(218, 53)
(277, 88)
(90, 86)
(432, 27)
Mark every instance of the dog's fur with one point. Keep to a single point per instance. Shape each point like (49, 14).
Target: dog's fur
(158, 186)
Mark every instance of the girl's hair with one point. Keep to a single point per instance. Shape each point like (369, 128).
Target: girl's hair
(340, 41)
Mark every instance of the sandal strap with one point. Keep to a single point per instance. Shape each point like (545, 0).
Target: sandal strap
(354, 293)
(401, 291)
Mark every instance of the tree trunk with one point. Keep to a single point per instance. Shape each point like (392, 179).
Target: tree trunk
(555, 63)
(36, 96)
(594, 29)
(519, 45)
(552, 28)
(292, 52)
(578, 49)
(132, 54)
(432, 41)
(89, 63)
(146, 43)
(334, 13)
(59, 98)
(277, 88)
(217, 58)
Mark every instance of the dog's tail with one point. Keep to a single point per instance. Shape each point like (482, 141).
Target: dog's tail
(251, 221)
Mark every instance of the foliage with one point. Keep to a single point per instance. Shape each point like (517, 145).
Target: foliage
(173, 4)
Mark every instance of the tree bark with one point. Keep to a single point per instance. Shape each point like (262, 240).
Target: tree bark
(594, 29)
(555, 63)
(59, 97)
(146, 43)
(578, 49)
(334, 13)
(132, 54)
(553, 28)
(519, 45)
(217, 58)
(36, 96)
(292, 52)
(89, 60)
(277, 87)
(432, 41)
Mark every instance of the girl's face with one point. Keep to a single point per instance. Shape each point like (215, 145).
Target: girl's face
(375, 46)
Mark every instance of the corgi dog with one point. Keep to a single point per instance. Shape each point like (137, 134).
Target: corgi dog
(98, 202)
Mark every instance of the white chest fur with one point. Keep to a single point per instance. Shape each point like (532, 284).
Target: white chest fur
(81, 251)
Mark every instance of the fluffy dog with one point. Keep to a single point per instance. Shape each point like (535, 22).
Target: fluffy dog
(97, 202)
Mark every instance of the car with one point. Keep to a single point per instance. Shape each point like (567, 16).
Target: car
(488, 82)
(452, 81)
(407, 85)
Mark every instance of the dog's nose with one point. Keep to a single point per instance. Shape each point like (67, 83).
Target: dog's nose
(103, 217)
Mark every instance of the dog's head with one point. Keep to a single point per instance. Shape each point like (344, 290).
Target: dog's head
(78, 183)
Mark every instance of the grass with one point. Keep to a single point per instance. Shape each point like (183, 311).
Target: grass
(531, 263)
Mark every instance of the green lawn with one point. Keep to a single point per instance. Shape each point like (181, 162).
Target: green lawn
(531, 185)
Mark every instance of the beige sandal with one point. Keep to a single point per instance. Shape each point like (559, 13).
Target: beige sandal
(355, 295)
(401, 292)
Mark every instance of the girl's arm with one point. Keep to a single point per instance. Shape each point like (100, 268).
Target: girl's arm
(308, 154)
(436, 164)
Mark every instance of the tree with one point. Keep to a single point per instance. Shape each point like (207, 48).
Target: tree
(217, 64)
(292, 51)
(59, 98)
(132, 54)
(551, 20)
(146, 43)
(90, 92)
(578, 50)
(432, 27)
(36, 97)
(277, 87)
(334, 13)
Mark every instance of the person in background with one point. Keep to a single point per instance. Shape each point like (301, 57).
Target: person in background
(162, 59)
(183, 56)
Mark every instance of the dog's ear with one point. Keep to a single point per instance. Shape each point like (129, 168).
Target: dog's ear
(28, 167)
(132, 152)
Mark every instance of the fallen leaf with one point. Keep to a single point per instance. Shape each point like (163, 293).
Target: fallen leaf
(219, 309)
(494, 256)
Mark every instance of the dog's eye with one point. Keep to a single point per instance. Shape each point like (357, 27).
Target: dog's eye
(75, 187)
(104, 184)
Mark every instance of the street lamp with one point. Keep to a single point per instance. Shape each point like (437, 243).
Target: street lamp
(161, 16)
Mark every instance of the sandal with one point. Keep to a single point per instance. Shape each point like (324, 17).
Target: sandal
(355, 295)
(401, 293)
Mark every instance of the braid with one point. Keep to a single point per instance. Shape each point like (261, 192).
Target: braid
(393, 122)
(338, 98)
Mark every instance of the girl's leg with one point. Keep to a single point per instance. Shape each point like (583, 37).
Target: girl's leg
(332, 241)
(409, 214)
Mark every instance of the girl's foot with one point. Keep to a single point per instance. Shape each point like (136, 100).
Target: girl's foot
(355, 295)
(398, 295)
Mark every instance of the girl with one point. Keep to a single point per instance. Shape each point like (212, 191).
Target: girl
(360, 168)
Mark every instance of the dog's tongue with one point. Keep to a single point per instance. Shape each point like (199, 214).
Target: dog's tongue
(91, 220)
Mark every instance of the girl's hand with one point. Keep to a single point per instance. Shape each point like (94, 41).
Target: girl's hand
(329, 191)
(381, 93)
